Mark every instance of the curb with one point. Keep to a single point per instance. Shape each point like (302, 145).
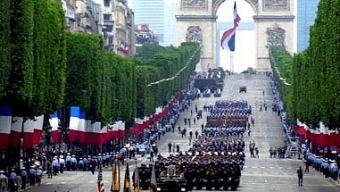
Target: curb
(337, 183)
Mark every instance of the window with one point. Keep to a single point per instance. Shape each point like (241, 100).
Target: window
(107, 17)
(107, 3)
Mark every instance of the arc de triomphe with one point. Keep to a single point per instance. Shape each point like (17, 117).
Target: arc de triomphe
(273, 20)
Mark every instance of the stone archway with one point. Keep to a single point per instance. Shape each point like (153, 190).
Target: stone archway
(273, 19)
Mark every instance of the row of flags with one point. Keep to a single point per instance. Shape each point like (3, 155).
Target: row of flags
(12, 129)
(85, 130)
(228, 37)
(322, 136)
(115, 186)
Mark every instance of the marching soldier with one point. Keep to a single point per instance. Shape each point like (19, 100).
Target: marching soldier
(73, 162)
(68, 162)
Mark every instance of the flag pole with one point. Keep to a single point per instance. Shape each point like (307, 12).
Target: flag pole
(231, 62)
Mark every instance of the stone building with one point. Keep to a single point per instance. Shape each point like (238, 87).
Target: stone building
(111, 18)
(125, 35)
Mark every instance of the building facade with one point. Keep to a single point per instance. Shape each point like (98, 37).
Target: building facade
(150, 12)
(125, 34)
(111, 18)
(306, 14)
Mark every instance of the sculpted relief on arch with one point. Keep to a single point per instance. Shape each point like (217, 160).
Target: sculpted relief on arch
(194, 34)
(273, 5)
(194, 4)
(276, 36)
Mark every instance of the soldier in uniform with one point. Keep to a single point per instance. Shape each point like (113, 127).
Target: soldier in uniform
(3, 182)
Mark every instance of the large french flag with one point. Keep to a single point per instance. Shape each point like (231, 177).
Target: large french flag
(81, 126)
(54, 123)
(74, 123)
(28, 133)
(38, 126)
(228, 37)
(16, 130)
(5, 126)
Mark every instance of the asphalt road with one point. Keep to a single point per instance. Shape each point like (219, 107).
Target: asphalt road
(259, 175)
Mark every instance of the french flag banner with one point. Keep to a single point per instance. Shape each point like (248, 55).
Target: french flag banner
(54, 123)
(87, 132)
(74, 123)
(5, 126)
(115, 130)
(96, 132)
(38, 126)
(81, 126)
(121, 130)
(29, 125)
(16, 129)
(103, 135)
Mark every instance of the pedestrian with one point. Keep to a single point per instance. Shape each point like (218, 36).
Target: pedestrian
(307, 167)
(249, 131)
(257, 153)
(23, 178)
(31, 174)
(179, 129)
(196, 134)
(39, 175)
(169, 146)
(12, 181)
(300, 176)
(3, 182)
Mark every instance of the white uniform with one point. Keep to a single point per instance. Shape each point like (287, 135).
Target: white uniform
(3, 183)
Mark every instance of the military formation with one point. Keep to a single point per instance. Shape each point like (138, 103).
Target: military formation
(216, 158)
(228, 118)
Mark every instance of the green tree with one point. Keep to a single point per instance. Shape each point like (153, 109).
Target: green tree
(5, 30)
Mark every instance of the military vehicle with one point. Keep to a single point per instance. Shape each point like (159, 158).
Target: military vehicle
(171, 182)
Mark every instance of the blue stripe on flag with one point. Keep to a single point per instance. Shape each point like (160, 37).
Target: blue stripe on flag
(75, 111)
(231, 43)
(5, 111)
(54, 115)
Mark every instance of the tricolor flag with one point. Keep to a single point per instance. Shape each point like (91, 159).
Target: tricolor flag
(74, 123)
(5, 126)
(228, 37)
(115, 187)
(127, 185)
(38, 126)
(54, 123)
(16, 130)
(28, 134)
(136, 180)
(153, 183)
(81, 126)
(100, 184)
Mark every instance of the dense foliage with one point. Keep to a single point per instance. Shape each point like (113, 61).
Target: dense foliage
(44, 68)
(314, 73)
(33, 52)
